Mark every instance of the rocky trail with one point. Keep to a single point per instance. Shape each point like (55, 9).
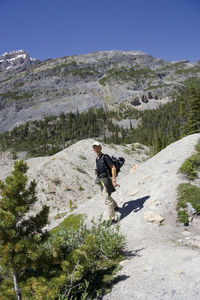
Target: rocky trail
(163, 256)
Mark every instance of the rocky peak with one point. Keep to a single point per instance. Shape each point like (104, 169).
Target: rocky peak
(16, 59)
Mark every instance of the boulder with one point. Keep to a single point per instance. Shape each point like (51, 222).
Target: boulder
(153, 217)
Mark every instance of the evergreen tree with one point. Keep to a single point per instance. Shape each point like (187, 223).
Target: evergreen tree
(193, 123)
(20, 235)
(157, 142)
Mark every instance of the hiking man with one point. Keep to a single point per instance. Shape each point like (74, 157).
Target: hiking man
(108, 185)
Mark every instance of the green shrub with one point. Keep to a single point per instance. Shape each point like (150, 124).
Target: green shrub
(197, 147)
(190, 166)
(127, 151)
(133, 147)
(83, 73)
(72, 222)
(15, 95)
(75, 263)
(80, 188)
(127, 74)
(17, 85)
(187, 193)
(72, 206)
(183, 217)
(102, 81)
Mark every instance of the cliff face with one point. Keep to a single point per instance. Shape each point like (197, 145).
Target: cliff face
(30, 89)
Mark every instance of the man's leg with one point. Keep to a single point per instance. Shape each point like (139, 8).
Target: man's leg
(109, 201)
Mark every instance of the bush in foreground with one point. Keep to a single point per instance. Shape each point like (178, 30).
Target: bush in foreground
(75, 262)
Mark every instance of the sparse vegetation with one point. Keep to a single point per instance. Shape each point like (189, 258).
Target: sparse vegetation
(7, 79)
(124, 74)
(56, 181)
(60, 215)
(17, 85)
(194, 81)
(73, 69)
(186, 191)
(151, 87)
(15, 96)
(175, 66)
(183, 217)
(139, 146)
(192, 70)
(80, 188)
(191, 165)
(67, 188)
(128, 151)
(83, 157)
(81, 170)
(72, 206)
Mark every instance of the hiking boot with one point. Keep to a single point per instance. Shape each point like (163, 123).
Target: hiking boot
(117, 208)
(113, 221)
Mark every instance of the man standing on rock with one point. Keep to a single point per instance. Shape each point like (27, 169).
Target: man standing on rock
(108, 185)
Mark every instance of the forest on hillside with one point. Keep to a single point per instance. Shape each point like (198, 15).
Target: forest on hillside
(156, 128)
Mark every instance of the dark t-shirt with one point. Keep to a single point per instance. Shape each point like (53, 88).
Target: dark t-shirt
(103, 163)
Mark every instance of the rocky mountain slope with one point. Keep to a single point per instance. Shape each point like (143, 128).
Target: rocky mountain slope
(30, 89)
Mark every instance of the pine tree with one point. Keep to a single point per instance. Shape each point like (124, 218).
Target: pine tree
(20, 235)
(193, 123)
(157, 142)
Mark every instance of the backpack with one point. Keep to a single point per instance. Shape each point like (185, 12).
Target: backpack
(117, 162)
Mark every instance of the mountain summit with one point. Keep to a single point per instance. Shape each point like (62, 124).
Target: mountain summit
(15, 60)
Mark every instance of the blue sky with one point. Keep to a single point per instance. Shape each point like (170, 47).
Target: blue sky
(168, 29)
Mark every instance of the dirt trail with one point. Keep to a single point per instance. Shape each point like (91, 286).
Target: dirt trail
(159, 266)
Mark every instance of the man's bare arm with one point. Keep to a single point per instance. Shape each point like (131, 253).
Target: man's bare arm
(114, 174)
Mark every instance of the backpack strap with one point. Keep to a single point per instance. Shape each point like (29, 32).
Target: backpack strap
(107, 167)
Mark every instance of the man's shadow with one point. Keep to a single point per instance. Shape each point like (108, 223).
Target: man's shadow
(133, 205)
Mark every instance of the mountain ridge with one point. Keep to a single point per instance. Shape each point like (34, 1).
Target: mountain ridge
(98, 79)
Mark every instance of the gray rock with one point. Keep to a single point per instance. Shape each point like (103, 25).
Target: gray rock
(19, 60)
(190, 209)
(153, 217)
